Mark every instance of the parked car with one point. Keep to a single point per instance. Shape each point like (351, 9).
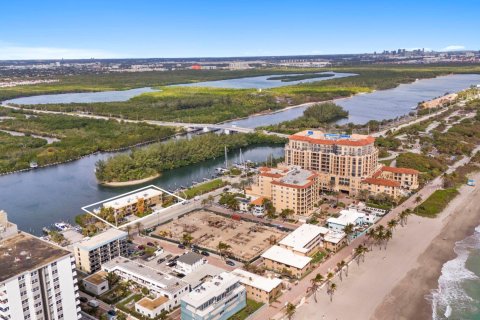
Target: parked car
(83, 299)
(161, 260)
(172, 264)
(151, 244)
(230, 263)
(141, 247)
(93, 303)
(196, 250)
(205, 253)
(181, 246)
(168, 256)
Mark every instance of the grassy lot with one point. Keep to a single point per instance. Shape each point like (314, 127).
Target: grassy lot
(434, 204)
(203, 188)
(251, 307)
(318, 257)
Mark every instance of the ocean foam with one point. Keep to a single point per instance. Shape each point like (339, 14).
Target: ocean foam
(450, 295)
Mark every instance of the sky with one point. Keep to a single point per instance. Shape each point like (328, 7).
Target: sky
(70, 29)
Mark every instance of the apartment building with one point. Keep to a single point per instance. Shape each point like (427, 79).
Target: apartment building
(288, 187)
(135, 202)
(218, 298)
(280, 259)
(261, 289)
(407, 178)
(159, 283)
(342, 161)
(305, 240)
(92, 252)
(189, 262)
(37, 279)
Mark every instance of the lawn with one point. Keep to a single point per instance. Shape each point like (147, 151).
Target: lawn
(203, 188)
(436, 203)
(318, 257)
(251, 307)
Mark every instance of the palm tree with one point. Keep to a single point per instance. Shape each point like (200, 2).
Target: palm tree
(139, 227)
(285, 213)
(112, 278)
(315, 284)
(418, 199)
(331, 290)
(342, 265)
(392, 224)
(129, 228)
(387, 236)
(290, 310)
(360, 253)
(330, 276)
(223, 248)
(187, 239)
(349, 230)
(370, 234)
(403, 218)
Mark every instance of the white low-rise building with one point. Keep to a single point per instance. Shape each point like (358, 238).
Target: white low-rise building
(304, 240)
(280, 259)
(259, 288)
(188, 262)
(152, 307)
(96, 283)
(157, 282)
(347, 216)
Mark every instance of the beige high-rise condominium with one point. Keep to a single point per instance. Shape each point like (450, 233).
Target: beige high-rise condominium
(342, 161)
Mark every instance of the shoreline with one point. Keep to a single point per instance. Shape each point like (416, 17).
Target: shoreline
(129, 183)
(413, 301)
(398, 280)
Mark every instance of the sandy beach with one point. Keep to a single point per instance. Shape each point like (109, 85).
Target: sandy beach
(129, 183)
(394, 283)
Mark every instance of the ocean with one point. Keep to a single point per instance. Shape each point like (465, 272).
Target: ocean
(458, 293)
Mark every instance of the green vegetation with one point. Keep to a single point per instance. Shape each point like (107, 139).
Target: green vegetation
(249, 309)
(318, 257)
(428, 167)
(314, 116)
(203, 188)
(389, 143)
(78, 137)
(436, 203)
(229, 200)
(145, 162)
(301, 77)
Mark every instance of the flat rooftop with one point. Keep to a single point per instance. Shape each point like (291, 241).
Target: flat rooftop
(210, 289)
(297, 177)
(256, 281)
(165, 281)
(201, 274)
(152, 304)
(132, 198)
(334, 237)
(101, 239)
(320, 137)
(23, 252)
(348, 216)
(287, 257)
(190, 258)
(302, 236)
(97, 278)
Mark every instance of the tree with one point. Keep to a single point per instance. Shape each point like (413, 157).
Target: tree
(360, 253)
(139, 227)
(315, 282)
(349, 230)
(187, 239)
(290, 310)
(418, 200)
(342, 265)
(129, 228)
(285, 213)
(112, 279)
(270, 211)
(387, 236)
(331, 290)
(392, 224)
(223, 248)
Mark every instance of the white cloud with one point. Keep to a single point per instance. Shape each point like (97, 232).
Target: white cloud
(453, 48)
(12, 52)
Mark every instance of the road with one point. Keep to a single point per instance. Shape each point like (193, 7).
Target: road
(297, 293)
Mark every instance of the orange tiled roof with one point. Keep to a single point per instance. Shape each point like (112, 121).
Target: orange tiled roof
(279, 183)
(381, 182)
(271, 175)
(344, 142)
(400, 170)
(258, 201)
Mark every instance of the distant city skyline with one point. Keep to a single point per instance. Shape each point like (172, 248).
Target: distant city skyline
(153, 29)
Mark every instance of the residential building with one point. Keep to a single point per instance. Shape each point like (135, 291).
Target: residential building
(342, 161)
(334, 240)
(203, 273)
(283, 260)
(219, 298)
(135, 202)
(92, 252)
(261, 289)
(407, 178)
(158, 282)
(347, 216)
(37, 278)
(305, 240)
(96, 283)
(188, 262)
(288, 187)
(152, 307)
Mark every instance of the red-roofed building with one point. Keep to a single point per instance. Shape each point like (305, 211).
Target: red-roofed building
(407, 178)
(342, 161)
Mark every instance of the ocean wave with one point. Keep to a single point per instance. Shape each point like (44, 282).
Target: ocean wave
(450, 297)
